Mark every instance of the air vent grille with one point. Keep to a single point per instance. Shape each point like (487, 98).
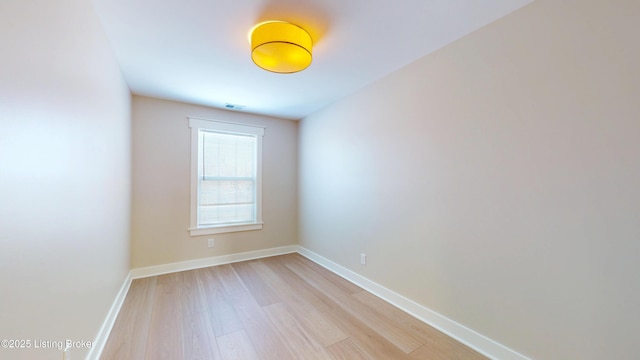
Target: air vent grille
(233, 106)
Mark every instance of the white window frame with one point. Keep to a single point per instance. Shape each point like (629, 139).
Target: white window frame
(197, 124)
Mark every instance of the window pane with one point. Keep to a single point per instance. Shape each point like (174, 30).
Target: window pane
(227, 184)
(224, 214)
(214, 192)
(227, 155)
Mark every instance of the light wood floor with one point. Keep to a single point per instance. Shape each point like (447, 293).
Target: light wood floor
(282, 307)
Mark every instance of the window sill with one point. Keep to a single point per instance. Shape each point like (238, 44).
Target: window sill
(224, 229)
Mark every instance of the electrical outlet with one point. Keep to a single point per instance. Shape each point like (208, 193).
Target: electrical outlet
(363, 258)
(210, 243)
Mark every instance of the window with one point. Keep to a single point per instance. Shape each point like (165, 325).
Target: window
(226, 167)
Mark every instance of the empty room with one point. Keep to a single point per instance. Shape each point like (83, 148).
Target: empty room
(319, 179)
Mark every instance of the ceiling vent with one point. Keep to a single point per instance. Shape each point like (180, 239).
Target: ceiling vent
(233, 106)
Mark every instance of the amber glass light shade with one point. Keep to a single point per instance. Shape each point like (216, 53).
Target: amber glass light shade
(280, 47)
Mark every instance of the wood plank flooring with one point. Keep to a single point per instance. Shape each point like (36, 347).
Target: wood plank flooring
(282, 307)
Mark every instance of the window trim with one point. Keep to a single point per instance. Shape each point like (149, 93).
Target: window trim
(196, 124)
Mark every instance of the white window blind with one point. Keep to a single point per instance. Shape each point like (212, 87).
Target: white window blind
(226, 177)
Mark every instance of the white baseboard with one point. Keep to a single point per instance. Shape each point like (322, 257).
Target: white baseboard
(107, 325)
(211, 261)
(474, 340)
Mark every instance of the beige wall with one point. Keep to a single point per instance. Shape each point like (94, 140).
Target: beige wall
(161, 183)
(497, 180)
(64, 175)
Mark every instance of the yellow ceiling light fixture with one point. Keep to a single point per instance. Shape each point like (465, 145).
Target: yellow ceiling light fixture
(280, 47)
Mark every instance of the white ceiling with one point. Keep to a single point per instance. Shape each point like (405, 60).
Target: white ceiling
(197, 51)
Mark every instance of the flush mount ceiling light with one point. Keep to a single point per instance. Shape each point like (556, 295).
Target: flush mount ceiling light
(280, 47)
